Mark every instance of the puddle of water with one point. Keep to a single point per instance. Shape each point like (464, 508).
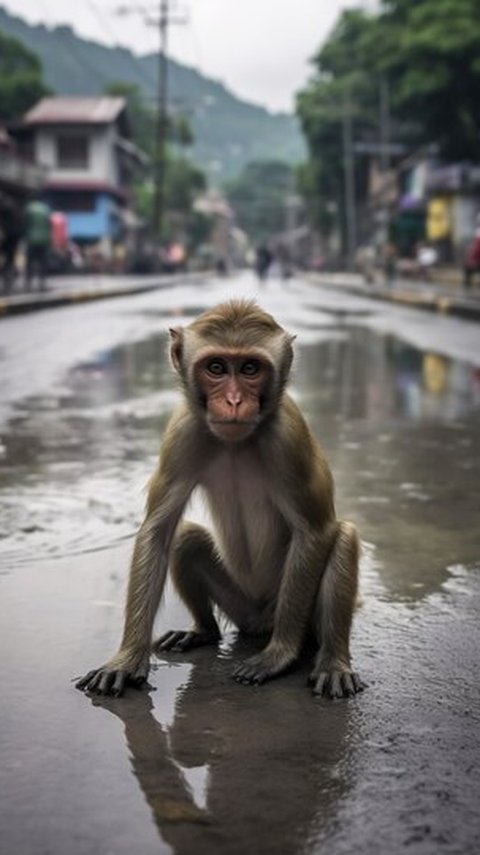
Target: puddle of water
(400, 428)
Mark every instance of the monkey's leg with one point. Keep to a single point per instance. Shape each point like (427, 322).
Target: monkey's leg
(332, 674)
(201, 580)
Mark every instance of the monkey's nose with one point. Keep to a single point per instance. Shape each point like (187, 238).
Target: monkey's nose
(234, 399)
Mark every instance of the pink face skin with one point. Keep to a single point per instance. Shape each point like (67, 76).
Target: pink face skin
(233, 384)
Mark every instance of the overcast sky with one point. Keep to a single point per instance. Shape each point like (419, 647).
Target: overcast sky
(259, 48)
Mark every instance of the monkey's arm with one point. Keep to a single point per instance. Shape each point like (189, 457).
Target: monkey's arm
(305, 499)
(168, 494)
(306, 559)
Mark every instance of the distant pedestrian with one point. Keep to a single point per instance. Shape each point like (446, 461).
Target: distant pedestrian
(389, 262)
(10, 235)
(263, 260)
(472, 260)
(284, 260)
(38, 238)
(426, 258)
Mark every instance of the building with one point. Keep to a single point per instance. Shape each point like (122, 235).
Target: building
(85, 145)
(18, 179)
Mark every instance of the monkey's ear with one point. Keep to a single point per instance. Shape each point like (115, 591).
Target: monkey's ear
(176, 347)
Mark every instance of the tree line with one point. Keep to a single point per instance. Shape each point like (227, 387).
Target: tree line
(423, 58)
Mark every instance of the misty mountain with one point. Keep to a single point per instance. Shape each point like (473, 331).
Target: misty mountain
(228, 132)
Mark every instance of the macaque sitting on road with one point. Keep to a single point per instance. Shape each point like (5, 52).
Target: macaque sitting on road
(279, 563)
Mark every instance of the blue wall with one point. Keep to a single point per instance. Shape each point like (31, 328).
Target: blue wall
(93, 225)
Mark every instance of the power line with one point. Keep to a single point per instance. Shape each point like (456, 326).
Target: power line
(162, 22)
(111, 32)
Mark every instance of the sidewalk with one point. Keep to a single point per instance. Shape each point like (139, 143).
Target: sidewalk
(62, 290)
(445, 298)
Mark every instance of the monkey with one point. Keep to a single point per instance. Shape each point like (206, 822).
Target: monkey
(279, 565)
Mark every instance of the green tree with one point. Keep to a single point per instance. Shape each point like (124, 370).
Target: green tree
(427, 51)
(141, 118)
(342, 84)
(21, 83)
(183, 180)
(431, 52)
(258, 197)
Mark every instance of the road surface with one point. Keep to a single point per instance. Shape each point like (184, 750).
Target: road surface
(202, 764)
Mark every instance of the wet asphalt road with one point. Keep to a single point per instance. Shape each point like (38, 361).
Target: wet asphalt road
(202, 764)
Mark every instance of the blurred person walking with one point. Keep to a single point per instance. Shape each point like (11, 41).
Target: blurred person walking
(389, 263)
(38, 239)
(472, 257)
(263, 260)
(11, 230)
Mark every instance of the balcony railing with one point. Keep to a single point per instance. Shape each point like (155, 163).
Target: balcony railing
(19, 173)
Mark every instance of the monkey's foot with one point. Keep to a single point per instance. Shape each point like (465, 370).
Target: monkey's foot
(262, 667)
(335, 682)
(115, 676)
(180, 641)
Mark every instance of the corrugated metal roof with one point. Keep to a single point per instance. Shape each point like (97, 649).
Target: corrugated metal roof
(71, 110)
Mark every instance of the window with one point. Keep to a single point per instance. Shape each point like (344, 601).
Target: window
(72, 152)
(73, 201)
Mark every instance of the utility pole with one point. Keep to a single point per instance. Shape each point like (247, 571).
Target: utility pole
(384, 124)
(349, 182)
(162, 122)
(162, 23)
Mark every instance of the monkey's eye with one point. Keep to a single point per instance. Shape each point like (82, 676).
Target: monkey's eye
(250, 368)
(216, 367)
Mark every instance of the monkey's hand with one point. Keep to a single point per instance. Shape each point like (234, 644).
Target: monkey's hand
(265, 665)
(334, 679)
(126, 668)
(179, 641)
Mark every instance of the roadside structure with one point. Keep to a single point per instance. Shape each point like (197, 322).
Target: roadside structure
(18, 181)
(85, 144)
(18, 178)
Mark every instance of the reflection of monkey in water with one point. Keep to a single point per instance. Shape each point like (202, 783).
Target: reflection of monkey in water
(281, 564)
(269, 770)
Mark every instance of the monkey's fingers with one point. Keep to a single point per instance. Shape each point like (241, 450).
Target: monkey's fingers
(180, 641)
(102, 681)
(336, 684)
(119, 683)
(259, 669)
(97, 681)
(170, 640)
(83, 682)
(248, 678)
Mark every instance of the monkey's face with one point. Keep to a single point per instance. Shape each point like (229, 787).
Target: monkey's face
(233, 386)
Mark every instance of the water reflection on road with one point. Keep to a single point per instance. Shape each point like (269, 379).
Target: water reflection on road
(396, 423)
(223, 768)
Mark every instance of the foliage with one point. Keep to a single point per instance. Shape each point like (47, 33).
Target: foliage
(141, 118)
(183, 180)
(258, 197)
(20, 79)
(228, 132)
(436, 70)
(427, 52)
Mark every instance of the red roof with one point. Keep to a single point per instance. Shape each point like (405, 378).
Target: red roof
(63, 110)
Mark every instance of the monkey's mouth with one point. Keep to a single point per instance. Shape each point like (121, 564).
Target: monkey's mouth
(233, 429)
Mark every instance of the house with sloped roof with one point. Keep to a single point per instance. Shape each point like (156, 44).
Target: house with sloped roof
(85, 145)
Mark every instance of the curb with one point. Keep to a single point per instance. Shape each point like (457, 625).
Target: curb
(443, 305)
(439, 303)
(24, 303)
